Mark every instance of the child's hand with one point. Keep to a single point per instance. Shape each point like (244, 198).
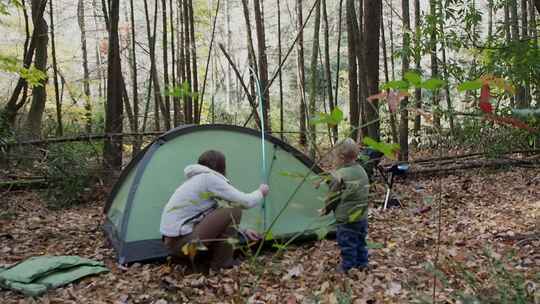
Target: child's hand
(264, 189)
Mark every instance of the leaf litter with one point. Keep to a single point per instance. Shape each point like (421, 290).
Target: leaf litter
(480, 209)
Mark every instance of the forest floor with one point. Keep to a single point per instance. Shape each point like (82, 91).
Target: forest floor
(481, 211)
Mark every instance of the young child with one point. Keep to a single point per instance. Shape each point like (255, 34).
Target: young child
(348, 199)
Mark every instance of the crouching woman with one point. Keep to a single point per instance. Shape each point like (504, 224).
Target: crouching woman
(192, 213)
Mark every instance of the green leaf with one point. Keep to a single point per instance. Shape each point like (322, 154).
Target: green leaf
(331, 119)
(336, 115)
(433, 84)
(396, 85)
(413, 77)
(269, 236)
(371, 245)
(389, 150)
(295, 175)
(321, 232)
(470, 85)
(206, 195)
(355, 216)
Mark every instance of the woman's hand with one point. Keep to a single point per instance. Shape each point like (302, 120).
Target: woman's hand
(264, 189)
(252, 235)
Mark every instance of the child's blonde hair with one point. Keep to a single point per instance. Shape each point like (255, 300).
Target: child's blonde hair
(347, 150)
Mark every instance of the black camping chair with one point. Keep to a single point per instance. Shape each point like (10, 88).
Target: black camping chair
(370, 159)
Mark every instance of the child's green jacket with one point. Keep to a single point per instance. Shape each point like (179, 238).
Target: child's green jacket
(349, 192)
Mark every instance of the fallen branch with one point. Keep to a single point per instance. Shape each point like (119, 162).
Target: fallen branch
(77, 138)
(475, 164)
(434, 159)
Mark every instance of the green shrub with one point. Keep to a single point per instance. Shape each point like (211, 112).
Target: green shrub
(69, 172)
(499, 282)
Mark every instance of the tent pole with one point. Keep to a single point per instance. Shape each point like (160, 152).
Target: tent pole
(263, 148)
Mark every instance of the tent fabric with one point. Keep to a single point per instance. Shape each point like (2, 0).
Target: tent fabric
(136, 202)
(36, 275)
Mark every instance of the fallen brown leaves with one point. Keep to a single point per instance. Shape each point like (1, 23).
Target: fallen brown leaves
(479, 209)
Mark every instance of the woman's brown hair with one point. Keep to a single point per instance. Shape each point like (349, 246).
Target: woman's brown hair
(214, 160)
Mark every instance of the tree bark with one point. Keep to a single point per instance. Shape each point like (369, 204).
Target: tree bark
(263, 64)
(313, 80)
(372, 11)
(393, 126)
(404, 118)
(86, 77)
(59, 126)
(434, 63)
(13, 106)
(449, 105)
(361, 47)
(39, 94)
(138, 140)
(175, 99)
(195, 80)
(391, 29)
(417, 61)
(301, 73)
(281, 118)
(164, 46)
(112, 152)
(328, 70)
(188, 107)
(352, 44)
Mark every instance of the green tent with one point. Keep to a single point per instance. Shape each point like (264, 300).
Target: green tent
(136, 202)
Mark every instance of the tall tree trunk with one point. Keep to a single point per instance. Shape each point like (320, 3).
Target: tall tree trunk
(252, 59)
(263, 64)
(338, 52)
(525, 35)
(187, 63)
(13, 106)
(167, 114)
(301, 73)
(514, 26)
(490, 20)
(228, 44)
(449, 105)
(417, 61)
(434, 62)
(86, 76)
(181, 68)
(158, 102)
(506, 22)
(373, 9)
(313, 80)
(404, 118)
(362, 70)
(281, 119)
(112, 152)
(532, 19)
(39, 94)
(391, 29)
(175, 99)
(98, 55)
(195, 79)
(393, 126)
(59, 126)
(352, 34)
(138, 140)
(327, 69)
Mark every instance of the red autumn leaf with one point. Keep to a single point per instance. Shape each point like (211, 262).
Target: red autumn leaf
(511, 121)
(484, 103)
